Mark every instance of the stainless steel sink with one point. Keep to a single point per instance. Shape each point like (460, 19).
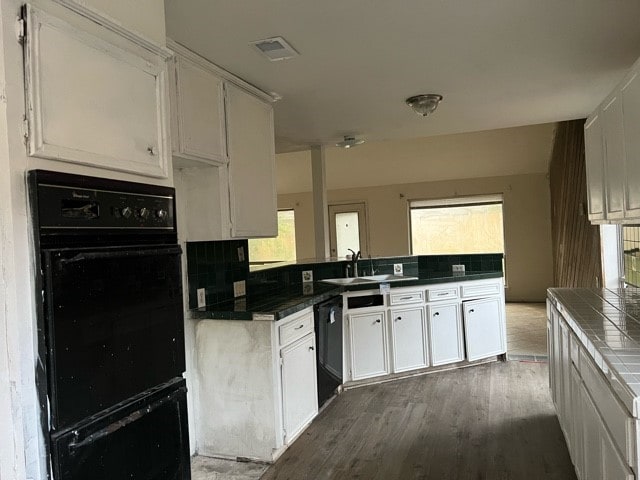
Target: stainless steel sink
(367, 279)
(388, 278)
(346, 281)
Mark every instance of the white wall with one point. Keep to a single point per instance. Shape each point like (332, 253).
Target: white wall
(512, 161)
(493, 153)
(22, 445)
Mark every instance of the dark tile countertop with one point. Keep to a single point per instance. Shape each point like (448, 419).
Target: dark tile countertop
(281, 302)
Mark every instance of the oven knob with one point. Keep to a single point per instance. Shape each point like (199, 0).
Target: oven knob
(143, 213)
(126, 212)
(161, 214)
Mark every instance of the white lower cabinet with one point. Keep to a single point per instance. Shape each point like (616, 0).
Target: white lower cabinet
(422, 327)
(262, 376)
(484, 327)
(599, 431)
(445, 333)
(409, 339)
(368, 342)
(299, 388)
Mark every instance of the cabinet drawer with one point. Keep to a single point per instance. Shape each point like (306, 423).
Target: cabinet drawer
(480, 289)
(614, 415)
(441, 293)
(406, 297)
(296, 328)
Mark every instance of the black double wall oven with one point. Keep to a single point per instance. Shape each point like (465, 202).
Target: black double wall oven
(111, 328)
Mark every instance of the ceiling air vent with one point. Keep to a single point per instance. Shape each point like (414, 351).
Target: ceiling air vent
(275, 48)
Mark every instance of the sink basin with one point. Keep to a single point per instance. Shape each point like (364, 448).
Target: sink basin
(388, 278)
(346, 281)
(367, 279)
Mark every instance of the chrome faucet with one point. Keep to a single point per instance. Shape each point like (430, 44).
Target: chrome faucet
(354, 262)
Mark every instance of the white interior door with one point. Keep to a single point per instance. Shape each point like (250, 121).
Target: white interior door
(348, 229)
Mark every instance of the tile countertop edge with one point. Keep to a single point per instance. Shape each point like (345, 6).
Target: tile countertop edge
(599, 358)
(213, 312)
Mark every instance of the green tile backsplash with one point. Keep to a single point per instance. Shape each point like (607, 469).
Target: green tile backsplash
(214, 266)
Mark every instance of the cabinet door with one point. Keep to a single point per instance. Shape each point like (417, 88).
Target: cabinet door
(576, 443)
(445, 333)
(299, 386)
(614, 157)
(552, 360)
(594, 153)
(368, 345)
(409, 339)
(614, 466)
(252, 190)
(484, 327)
(565, 374)
(200, 113)
(94, 97)
(631, 120)
(592, 437)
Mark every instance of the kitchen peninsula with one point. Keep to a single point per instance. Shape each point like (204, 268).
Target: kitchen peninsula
(256, 354)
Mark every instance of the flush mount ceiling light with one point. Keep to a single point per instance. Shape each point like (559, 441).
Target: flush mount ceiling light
(424, 104)
(349, 141)
(275, 48)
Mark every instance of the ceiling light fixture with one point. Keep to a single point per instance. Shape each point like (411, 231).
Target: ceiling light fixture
(349, 141)
(424, 104)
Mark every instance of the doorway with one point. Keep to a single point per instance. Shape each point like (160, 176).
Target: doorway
(348, 229)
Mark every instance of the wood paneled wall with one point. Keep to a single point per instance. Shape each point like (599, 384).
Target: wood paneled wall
(576, 243)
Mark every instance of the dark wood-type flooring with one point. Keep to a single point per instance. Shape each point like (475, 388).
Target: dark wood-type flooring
(488, 422)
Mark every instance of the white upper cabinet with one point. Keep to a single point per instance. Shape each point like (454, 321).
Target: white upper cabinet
(594, 154)
(223, 126)
(95, 96)
(252, 189)
(612, 148)
(199, 131)
(631, 120)
(614, 156)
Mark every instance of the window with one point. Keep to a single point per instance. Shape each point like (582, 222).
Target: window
(457, 226)
(631, 255)
(279, 249)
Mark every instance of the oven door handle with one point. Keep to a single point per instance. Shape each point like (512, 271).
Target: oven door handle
(123, 422)
(128, 253)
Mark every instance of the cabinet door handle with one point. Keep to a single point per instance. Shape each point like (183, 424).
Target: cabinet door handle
(310, 348)
(436, 314)
(378, 320)
(398, 318)
(471, 310)
(299, 327)
(151, 150)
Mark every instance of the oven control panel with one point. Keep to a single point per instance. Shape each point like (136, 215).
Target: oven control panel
(61, 207)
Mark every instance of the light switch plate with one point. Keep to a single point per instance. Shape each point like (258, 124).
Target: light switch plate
(457, 268)
(202, 301)
(307, 276)
(241, 254)
(397, 269)
(239, 288)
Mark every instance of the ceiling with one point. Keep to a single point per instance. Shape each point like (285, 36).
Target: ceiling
(498, 63)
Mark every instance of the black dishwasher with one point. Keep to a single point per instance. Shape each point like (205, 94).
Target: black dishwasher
(328, 327)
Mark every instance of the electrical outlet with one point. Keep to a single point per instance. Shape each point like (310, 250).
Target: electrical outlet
(202, 301)
(457, 268)
(397, 269)
(307, 276)
(239, 289)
